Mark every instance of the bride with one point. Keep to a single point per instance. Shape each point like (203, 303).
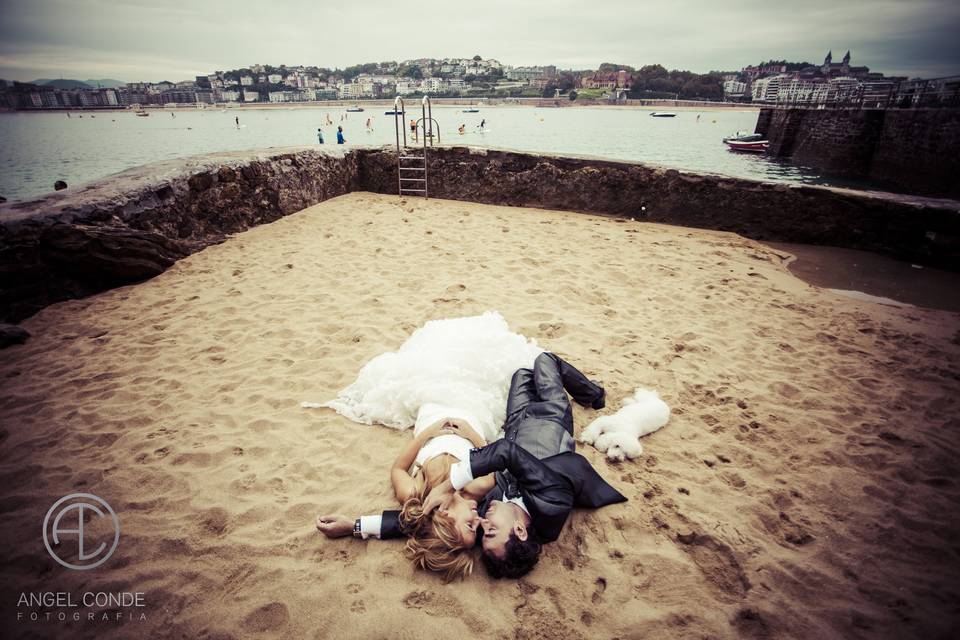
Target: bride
(441, 540)
(454, 375)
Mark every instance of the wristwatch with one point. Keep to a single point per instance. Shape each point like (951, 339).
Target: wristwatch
(356, 529)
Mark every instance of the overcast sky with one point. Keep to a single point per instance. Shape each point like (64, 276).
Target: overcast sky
(152, 40)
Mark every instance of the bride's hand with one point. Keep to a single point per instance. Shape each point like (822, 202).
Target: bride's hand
(437, 497)
(438, 428)
(462, 428)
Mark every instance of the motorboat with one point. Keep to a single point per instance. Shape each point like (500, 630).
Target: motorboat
(393, 112)
(139, 113)
(471, 110)
(659, 114)
(751, 143)
(752, 146)
(744, 137)
(354, 109)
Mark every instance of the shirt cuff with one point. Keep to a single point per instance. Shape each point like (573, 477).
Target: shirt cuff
(370, 526)
(461, 474)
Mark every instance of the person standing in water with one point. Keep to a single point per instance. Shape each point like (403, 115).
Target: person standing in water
(320, 136)
(413, 129)
(340, 138)
(237, 120)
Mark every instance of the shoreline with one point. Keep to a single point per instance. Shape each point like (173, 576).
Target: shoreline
(410, 106)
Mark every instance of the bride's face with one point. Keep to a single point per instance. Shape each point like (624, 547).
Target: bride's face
(465, 516)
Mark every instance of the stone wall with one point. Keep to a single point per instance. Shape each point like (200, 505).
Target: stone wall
(135, 224)
(912, 228)
(914, 150)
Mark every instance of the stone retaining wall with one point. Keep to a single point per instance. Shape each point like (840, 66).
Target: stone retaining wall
(912, 228)
(914, 150)
(135, 224)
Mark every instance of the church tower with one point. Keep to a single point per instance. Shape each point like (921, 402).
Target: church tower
(826, 63)
(846, 63)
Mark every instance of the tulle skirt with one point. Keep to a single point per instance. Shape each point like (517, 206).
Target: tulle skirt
(460, 362)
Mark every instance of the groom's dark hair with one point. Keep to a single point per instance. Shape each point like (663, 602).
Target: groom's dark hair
(519, 556)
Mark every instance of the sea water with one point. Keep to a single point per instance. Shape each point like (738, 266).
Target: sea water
(37, 149)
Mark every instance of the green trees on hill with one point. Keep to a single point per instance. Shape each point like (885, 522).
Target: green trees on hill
(352, 72)
(655, 79)
(612, 66)
(410, 71)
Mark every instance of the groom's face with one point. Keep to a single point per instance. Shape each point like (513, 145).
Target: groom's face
(498, 523)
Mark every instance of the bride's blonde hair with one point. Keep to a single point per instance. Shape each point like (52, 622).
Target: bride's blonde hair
(434, 543)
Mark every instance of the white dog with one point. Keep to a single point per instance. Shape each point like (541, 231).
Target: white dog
(619, 435)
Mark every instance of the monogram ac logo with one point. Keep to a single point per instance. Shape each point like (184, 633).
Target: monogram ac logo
(75, 547)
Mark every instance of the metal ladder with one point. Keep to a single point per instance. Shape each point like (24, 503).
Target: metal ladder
(412, 173)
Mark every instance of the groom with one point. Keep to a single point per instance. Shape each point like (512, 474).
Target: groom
(539, 478)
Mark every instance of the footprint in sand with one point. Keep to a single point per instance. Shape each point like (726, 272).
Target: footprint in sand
(269, 617)
(600, 585)
(552, 329)
(718, 564)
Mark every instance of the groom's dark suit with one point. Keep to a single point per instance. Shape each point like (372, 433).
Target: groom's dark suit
(535, 460)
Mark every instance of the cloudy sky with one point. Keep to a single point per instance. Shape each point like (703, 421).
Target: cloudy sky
(152, 40)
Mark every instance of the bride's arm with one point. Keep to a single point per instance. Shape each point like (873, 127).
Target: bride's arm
(403, 485)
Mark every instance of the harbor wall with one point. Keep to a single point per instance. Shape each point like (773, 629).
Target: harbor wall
(913, 150)
(135, 224)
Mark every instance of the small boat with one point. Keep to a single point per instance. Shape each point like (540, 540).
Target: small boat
(752, 146)
(139, 113)
(354, 109)
(393, 113)
(744, 137)
(658, 114)
(471, 110)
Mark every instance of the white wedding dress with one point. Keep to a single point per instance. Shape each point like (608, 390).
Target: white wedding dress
(465, 363)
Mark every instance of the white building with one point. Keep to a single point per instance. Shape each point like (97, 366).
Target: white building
(228, 95)
(246, 80)
(407, 86)
(275, 78)
(351, 90)
(432, 85)
(767, 89)
(734, 88)
(278, 96)
(251, 96)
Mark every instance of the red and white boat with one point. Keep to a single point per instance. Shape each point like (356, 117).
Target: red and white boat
(756, 147)
(753, 143)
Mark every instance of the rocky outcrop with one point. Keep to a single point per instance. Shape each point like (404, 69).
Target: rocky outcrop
(135, 224)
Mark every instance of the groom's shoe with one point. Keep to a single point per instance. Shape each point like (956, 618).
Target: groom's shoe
(600, 402)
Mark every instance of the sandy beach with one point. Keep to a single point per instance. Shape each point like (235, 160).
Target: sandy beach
(805, 487)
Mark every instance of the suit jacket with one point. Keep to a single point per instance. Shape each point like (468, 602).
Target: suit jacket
(550, 487)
